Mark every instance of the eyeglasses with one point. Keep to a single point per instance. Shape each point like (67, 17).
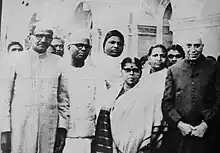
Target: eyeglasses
(81, 45)
(41, 36)
(133, 70)
(172, 56)
(194, 45)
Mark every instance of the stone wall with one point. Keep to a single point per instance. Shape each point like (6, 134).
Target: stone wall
(192, 16)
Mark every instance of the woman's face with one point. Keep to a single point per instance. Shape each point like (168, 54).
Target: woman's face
(114, 46)
(174, 56)
(131, 74)
(157, 59)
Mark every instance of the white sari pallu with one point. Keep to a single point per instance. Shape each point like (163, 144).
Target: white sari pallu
(131, 119)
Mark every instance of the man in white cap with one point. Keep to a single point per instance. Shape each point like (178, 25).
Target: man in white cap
(36, 107)
(82, 90)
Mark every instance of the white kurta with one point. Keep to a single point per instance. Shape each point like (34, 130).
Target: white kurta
(40, 102)
(82, 90)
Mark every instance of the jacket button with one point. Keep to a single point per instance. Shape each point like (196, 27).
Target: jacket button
(193, 104)
(193, 83)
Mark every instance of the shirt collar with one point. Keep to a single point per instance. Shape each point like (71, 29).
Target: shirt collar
(36, 55)
(196, 62)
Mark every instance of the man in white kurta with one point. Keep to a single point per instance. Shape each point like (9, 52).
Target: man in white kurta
(36, 105)
(82, 90)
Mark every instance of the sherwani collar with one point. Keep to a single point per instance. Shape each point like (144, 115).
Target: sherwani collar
(34, 55)
(195, 63)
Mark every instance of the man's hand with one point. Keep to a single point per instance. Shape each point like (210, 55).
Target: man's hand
(6, 142)
(185, 128)
(200, 130)
(60, 140)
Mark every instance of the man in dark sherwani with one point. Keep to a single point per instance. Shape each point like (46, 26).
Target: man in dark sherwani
(191, 101)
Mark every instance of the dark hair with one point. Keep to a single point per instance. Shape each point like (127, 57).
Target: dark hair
(178, 48)
(14, 43)
(164, 50)
(113, 33)
(211, 58)
(134, 60)
(143, 59)
(218, 58)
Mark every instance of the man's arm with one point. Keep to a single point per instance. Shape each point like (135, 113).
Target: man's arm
(211, 113)
(63, 102)
(169, 112)
(7, 85)
(63, 108)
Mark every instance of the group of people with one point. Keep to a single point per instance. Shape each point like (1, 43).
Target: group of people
(52, 95)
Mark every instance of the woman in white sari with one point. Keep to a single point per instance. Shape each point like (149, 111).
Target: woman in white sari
(131, 116)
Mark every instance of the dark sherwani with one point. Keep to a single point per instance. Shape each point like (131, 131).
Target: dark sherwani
(192, 94)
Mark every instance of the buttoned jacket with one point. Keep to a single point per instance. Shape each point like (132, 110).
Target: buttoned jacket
(192, 92)
(35, 103)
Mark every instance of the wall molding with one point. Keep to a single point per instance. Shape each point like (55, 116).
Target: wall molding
(196, 22)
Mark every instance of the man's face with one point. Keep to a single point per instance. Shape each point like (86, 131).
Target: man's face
(131, 74)
(16, 48)
(59, 46)
(81, 49)
(157, 59)
(174, 56)
(114, 46)
(193, 49)
(41, 39)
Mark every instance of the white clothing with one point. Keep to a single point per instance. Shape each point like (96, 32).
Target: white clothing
(82, 90)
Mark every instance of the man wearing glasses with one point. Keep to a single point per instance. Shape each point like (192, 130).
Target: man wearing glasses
(82, 89)
(36, 108)
(191, 100)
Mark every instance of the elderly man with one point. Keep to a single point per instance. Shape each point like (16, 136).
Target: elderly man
(191, 100)
(36, 107)
(82, 90)
(58, 44)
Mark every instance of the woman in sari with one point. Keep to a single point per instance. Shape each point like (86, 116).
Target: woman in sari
(131, 117)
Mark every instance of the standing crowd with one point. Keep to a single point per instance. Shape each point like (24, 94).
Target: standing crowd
(59, 97)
